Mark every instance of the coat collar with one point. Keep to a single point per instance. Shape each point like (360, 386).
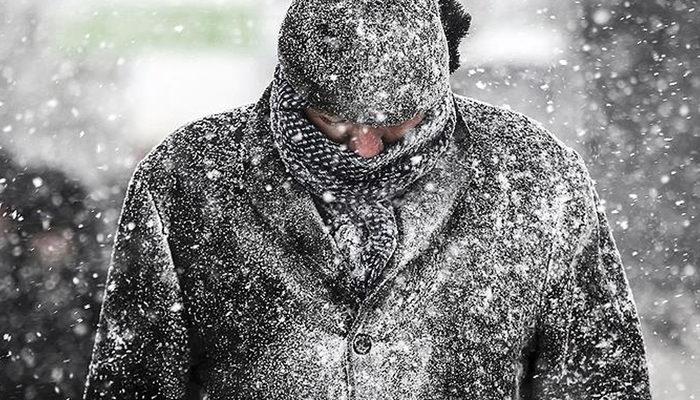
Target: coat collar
(291, 214)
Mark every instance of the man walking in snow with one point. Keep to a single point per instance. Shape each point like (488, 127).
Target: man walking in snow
(362, 232)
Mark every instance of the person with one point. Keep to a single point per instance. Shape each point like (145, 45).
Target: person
(362, 232)
(50, 255)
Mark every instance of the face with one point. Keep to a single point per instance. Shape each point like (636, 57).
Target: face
(365, 140)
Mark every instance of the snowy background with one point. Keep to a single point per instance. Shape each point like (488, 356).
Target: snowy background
(88, 87)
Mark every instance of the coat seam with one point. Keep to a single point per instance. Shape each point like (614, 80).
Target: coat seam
(166, 236)
(550, 252)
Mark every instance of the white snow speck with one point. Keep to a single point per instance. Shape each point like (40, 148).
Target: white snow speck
(328, 197)
(214, 174)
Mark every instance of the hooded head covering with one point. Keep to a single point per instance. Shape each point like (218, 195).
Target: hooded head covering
(376, 62)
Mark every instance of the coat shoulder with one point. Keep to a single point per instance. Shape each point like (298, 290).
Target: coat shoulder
(196, 161)
(509, 129)
(523, 145)
(198, 150)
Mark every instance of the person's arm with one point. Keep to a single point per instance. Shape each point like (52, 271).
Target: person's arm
(141, 348)
(590, 344)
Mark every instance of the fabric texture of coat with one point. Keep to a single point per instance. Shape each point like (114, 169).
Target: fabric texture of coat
(506, 283)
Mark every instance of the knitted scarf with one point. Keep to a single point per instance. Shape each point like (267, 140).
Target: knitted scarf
(357, 192)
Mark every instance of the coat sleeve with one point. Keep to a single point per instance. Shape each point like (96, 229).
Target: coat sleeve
(141, 348)
(589, 338)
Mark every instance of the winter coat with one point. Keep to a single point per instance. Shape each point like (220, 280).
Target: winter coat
(506, 284)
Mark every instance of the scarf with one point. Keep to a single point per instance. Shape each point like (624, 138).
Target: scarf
(357, 192)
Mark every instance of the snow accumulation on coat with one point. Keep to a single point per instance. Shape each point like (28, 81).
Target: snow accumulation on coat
(506, 282)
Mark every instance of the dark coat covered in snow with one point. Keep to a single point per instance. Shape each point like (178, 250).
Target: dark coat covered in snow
(506, 283)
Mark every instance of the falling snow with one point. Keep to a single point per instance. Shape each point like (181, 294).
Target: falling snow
(210, 272)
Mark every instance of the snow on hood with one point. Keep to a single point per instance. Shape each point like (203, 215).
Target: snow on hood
(368, 61)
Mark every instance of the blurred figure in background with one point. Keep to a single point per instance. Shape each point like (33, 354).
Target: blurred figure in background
(50, 275)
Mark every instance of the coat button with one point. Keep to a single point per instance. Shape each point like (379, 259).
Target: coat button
(362, 343)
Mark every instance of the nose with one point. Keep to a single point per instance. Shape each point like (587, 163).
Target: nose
(366, 140)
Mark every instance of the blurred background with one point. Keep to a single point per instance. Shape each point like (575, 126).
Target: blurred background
(88, 87)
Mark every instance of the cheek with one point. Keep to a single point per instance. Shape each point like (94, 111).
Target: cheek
(337, 133)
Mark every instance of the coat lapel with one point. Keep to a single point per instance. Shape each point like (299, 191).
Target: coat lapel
(286, 207)
(290, 211)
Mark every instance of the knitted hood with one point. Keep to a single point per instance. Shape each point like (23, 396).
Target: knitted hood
(376, 62)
